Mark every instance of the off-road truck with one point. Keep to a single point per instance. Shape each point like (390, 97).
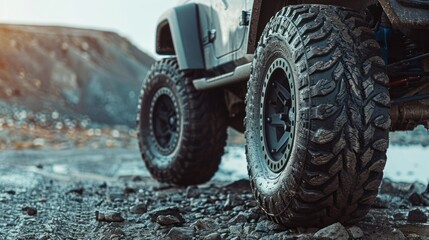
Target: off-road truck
(315, 85)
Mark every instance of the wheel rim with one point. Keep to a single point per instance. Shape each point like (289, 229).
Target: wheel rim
(164, 121)
(277, 115)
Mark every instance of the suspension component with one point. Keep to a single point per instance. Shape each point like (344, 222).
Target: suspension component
(409, 116)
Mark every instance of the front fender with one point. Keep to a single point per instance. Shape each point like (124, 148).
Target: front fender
(178, 33)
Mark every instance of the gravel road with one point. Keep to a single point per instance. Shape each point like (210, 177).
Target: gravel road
(108, 194)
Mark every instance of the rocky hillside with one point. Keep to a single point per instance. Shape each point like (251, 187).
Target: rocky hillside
(52, 73)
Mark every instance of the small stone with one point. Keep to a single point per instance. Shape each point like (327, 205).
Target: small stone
(137, 179)
(240, 218)
(231, 201)
(385, 233)
(129, 190)
(266, 226)
(44, 237)
(236, 229)
(242, 185)
(369, 218)
(213, 236)
(103, 185)
(397, 235)
(417, 216)
(355, 232)
(204, 224)
(115, 197)
(139, 209)
(334, 231)
(173, 211)
(416, 199)
(184, 233)
(11, 192)
(399, 216)
(78, 191)
(192, 192)
(167, 220)
(39, 166)
(30, 211)
(109, 217)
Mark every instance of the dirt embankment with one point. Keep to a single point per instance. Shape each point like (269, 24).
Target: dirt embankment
(51, 73)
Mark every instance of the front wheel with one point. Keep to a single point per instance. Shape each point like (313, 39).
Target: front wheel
(317, 117)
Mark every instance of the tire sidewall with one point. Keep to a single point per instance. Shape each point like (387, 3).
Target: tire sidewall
(155, 158)
(267, 182)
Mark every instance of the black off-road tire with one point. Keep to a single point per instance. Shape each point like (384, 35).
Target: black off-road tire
(332, 164)
(198, 129)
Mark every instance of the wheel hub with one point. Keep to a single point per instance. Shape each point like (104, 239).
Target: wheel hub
(277, 115)
(164, 121)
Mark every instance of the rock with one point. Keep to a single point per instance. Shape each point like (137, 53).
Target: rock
(279, 236)
(417, 199)
(139, 209)
(109, 217)
(44, 237)
(103, 185)
(115, 197)
(305, 237)
(117, 234)
(11, 192)
(78, 191)
(369, 218)
(236, 229)
(204, 224)
(242, 185)
(129, 190)
(334, 231)
(167, 220)
(240, 218)
(266, 226)
(417, 216)
(184, 233)
(173, 211)
(399, 216)
(30, 211)
(213, 236)
(231, 201)
(386, 233)
(355, 232)
(192, 192)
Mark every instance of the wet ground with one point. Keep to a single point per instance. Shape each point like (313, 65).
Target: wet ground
(107, 194)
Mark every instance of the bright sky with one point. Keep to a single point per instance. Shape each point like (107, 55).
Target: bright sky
(134, 19)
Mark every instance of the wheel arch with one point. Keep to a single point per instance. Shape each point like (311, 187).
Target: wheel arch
(263, 10)
(178, 33)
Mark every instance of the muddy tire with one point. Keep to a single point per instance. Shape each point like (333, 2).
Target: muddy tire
(317, 117)
(181, 131)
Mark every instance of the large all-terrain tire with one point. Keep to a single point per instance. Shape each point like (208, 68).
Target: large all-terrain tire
(317, 117)
(181, 131)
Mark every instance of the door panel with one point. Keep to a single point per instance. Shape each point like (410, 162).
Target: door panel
(225, 19)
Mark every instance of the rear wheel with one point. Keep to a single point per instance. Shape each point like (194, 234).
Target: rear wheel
(181, 131)
(317, 117)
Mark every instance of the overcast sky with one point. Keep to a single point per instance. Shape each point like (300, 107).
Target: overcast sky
(134, 19)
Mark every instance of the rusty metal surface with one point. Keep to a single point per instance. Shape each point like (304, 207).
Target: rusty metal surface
(409, 116)
(404, 16)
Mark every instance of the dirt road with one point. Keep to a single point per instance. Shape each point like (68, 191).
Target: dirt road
(108, 194)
